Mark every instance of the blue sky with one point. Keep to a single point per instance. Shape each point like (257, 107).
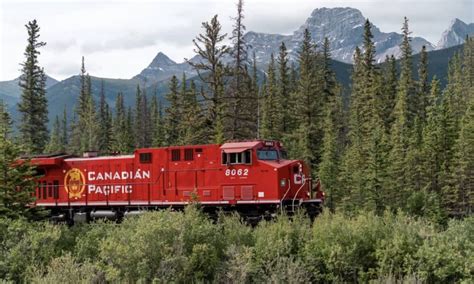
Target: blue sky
(120, 38)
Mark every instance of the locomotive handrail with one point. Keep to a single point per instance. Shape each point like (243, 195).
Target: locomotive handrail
(296, 194)
(284, 195)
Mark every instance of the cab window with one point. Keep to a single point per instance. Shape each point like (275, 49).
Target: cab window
(244, 157)
(267, 155)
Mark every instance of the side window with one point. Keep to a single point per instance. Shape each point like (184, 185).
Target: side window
(45, 190)
(237, 158)
(145, 158)
(56, 189)
(188, 154)
(175, 155)
(50, 190)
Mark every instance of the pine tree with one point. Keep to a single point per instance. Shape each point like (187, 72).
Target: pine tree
(389, 93)
(461, 199)
(423, 85)
(122, 135)
(85, 129)
(192, 120)
(432, 141)
(157, 122)
(64, 130)
(406, 82)
(270, 114)
(211, 72)
(283, 104)
(240, 100)
(16, 182)
(140, 113)
(105, 122)
(33, 105)
(330, 166)
(173, 114)
(55, 144)
(365, 162)
(306, 105)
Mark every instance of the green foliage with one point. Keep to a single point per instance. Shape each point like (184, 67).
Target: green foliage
(33, 105)
(14, 175)
(187, 247)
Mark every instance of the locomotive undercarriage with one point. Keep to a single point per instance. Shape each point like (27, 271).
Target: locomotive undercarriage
(251, 213)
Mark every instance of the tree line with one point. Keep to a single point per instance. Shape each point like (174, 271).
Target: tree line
(399, 142)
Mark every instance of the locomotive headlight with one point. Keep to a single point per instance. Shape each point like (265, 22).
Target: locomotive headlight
(283, 182)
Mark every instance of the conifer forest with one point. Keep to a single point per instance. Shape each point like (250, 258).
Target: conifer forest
(393, 150)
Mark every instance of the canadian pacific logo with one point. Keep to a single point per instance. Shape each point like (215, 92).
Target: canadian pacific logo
(74, 183)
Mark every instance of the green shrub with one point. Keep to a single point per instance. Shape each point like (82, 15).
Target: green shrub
(343, 249)
(66, 269)
(448, 256)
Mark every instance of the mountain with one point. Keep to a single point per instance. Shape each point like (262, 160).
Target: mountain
(344, 27)
(12, 89)
(455, 34)
(162, 68)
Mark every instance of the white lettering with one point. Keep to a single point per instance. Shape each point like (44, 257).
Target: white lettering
(90, 175)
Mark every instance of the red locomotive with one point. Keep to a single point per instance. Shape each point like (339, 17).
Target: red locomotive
(253, 178)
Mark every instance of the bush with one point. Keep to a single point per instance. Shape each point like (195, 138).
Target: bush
(448, 256)
(343, 249)
(188, 247)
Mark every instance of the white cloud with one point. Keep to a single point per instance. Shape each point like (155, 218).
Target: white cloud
(120, 38)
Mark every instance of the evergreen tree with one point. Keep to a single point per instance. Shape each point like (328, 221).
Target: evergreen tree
(330, 166)
(241, 123)
(306, 105)
(211, 71)
(122, 136)
(16, 182)
(85, 130)
(55, 144)
(283, 102)
(389, 93)
(157, 123)
(33, 105)
(140, 124)
(432, 141)
(64, 130)
(406, 84)
(270, 114)
(173, 114)
(192, 120)
(423, 85)
(105, 122)
(365, 161)
(461, 199)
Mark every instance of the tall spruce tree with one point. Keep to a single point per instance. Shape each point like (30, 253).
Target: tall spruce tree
(16, 182)
(122, 135)
(389, 93)
(271, 117)
(173, 114)
(157, 127)
(55, 144)
(240, 124)
(461, 196)
(211, 50)
(105, 122)
(283, 99)
(33, 105)
(85, 129)
(423, 85)
(306, 104)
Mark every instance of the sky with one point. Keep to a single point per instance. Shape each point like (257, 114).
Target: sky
(120, 38)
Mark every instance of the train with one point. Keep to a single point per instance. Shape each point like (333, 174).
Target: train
(254, 178)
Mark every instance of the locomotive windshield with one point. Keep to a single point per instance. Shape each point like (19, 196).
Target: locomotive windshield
(271, 154)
